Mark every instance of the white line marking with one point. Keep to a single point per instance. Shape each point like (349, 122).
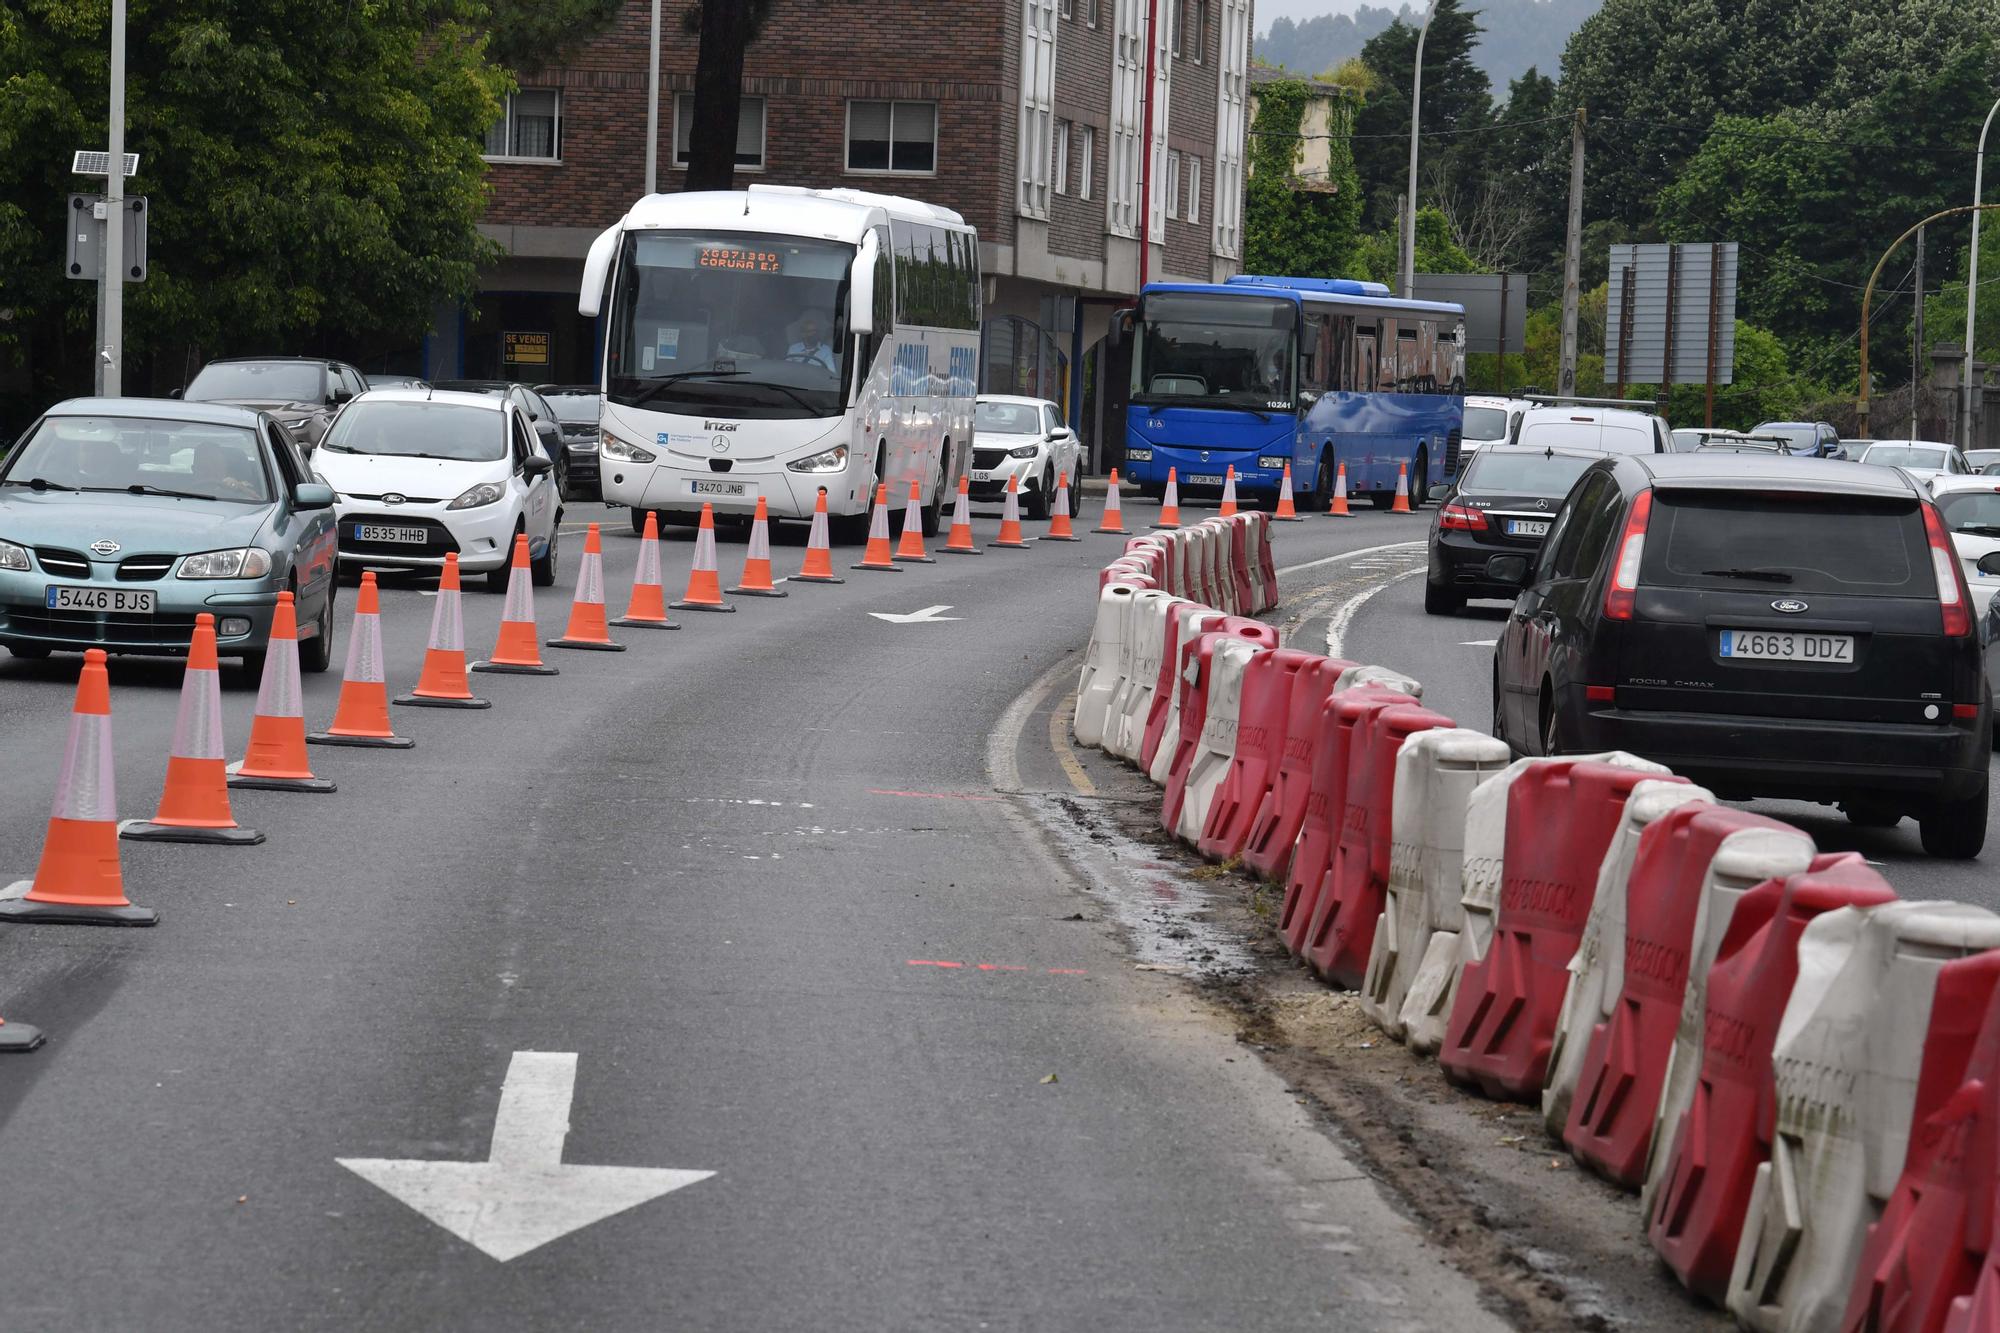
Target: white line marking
(1347, 555)
(1477, 643)
(1343, 619)
(928, 616)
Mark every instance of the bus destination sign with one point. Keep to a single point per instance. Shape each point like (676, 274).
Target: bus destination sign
(746, 261)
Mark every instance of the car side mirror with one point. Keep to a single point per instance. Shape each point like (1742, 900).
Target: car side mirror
(1511, 570)
(1062, 433)
(1441, 491)
(340, 396)
(1990, 563)
(175, 393)
(312, 495)
(537, 466)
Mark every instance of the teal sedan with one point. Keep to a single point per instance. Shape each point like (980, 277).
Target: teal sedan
(122, 519)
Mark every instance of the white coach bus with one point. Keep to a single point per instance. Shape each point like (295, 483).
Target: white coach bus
(776, 340)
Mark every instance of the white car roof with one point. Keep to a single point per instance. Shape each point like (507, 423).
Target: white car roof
(1598, 415)
(1013, 398)
(1964, 482)
(1491, 400)
(835, 215)
(456, 397)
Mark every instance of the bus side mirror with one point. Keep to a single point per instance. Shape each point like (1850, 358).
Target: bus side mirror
(1121, 324)
(861, 286)
(597, 271)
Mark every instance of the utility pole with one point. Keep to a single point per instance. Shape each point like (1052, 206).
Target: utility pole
(1917, 339)
(111, 283)
(653, 106)
(1416, 105)
(1572, 261)
(1146, 152)
(1972, 286)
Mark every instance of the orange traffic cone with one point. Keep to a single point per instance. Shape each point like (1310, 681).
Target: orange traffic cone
(276, 757)
(704, 590)
(1229, 492)
(648, 607)
(910, 546)
(587, 629)
(1288, 510)
(1059, 528)
(78, 882)
(876, 556)
(757, 562)
(195, 805)
(1339, 508)
(18, 1038)
(959, 540)
(443, 683)
(1402, 504)
(1170, 503)
(516, 653)
(362, 715)
(1113, 518)
(1010, 518)
(818, 566)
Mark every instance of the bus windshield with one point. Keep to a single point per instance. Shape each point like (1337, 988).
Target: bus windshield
(729, 324)
(1203, 350)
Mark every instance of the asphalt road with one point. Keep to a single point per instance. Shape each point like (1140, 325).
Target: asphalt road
(757, 878)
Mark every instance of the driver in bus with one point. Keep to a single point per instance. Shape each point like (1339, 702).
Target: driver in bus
(811, 346)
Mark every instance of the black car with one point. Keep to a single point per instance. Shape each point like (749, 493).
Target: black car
(302, 392)
(548, 428)
(577, 407)
(1502, 504)
(1786, 628)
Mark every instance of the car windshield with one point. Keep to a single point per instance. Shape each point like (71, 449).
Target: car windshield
(259, 382)
(1611, 437)
(1906, 455)
(576, 407)
(1523, 472)
(1800, 543)
(1686, 441)
(1981, 459)
(1971, 511)
(420, 430)
(1199, 350)
(1485, 423)
(1007, 419)
(1803, 439)
(192, 459)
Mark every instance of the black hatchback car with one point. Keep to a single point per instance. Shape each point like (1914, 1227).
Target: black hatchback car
(1501, 504)
(1767, 627)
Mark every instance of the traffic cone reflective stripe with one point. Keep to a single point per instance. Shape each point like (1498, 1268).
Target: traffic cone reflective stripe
(517, 652)
(275, 759)
(648, 607)
(1402, 504)
(1059, 528)
(1288, 510)
(1170, 502)
(757, 561)
(78, 881)
(443, 683)
(1010, 518)
(959, 540)
(1113, 518)
(194, 807)
(1339, 509)
(910, 547)
(362, 716)
(587, 629)
(704, 590)
(1229, 492)
(876, 556)
(818, 566)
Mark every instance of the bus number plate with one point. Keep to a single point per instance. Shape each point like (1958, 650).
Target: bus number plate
(737, 489)
(1203, 481)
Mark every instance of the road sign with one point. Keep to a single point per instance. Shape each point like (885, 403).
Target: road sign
(1670, 308)
(524, 349)
(928, 616)
(522, 1196)
(84, 260)
(1496, 307)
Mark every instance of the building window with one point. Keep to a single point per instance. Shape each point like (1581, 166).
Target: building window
(1174, 23)
(1090, 14)
(1061, 176)
(1087, 168)
(892, 136)
(749, 131)
(1069, 9)
(1194, 189)
(1200, 31)
(1173, 184)
(1038, 105)
(530, 128)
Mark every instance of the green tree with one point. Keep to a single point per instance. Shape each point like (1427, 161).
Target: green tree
(726, 31)
(1293, 227)
(1456, 98)
(527, 35)
(1944, 314)
(1379, 259)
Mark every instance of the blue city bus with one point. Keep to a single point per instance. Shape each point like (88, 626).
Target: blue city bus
(1259, 372)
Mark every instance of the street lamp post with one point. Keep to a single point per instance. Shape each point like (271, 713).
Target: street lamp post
(1972, 288)
(653, 106)
(1416, 105)
(111, 286)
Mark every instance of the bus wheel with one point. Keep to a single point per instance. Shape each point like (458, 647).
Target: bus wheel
(933, 513)
(638, 522)
(1321, 498)
(1420, 482)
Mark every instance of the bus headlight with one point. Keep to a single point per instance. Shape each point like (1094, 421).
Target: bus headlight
(833, 460)
(1139, 455)
(622, 450)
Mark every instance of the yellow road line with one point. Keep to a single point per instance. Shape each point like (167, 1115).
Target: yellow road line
(1059, 719)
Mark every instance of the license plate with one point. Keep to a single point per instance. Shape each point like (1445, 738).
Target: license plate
(136, 601)
(1203, 481)
(982, 476)
(384, 532)
(737, 489)
(1527, 527)
(1780, 646)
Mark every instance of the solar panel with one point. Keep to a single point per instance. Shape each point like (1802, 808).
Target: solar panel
(93, 162)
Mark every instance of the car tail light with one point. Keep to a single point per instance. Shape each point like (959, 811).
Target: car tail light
(1461, 518)
(1619, 594)
(1965, 712)
(1600, 694)
(1953, 596)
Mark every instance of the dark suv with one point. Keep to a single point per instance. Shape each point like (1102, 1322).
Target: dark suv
(303, 392)
(1767, 627)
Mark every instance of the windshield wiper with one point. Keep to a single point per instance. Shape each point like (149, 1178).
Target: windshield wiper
(141, 488)
(1981, 529)
(335, 448)
(789, 392)
(1757, 575)
(38, 483)
(665, 382)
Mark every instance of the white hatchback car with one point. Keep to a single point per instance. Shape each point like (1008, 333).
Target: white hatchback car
(1025, 438)
(1489, 420)
(1970, 508)
(1926, 460)
(420, 475)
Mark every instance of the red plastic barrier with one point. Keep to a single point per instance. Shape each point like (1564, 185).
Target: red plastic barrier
(1342, 931)
(1150, 558)
(1560, 819)
(1266, 562)
(1928, 1247)
(1197, 663)
(1725, 1134)
(1980, 1311)
(1260, 735)
(1167, 687)
(1611, 1118)
(1126, 572)
(1326, 799)
(1275, 826)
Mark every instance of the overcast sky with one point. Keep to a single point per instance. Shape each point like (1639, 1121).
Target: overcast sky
(1270, 11)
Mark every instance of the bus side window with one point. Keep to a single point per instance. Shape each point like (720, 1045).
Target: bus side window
(1364, 357)
(1386, 379)
(1340, 352)
(1409, 360)
(1312, 355)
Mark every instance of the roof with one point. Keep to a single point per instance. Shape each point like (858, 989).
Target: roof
(302, 360)
(158, 409)
(1261, 74)
(1333, 291)
(1012, 398)
(1492, 400)
(1775, 472)
(451, 396)
(1908, 444)
(1977, 481)
(834, 215)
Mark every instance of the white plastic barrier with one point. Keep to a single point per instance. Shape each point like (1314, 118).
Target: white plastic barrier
(1254, 533)
(1145, 643)
(1376, 675)
(1170, 737)
(1597, 971)
(1745, 859)
(1427, 1011)
(1435, 774)
(1200, 541)
(1216, 745)
(1103, 663)
(1178, 578)
(1848, 1052)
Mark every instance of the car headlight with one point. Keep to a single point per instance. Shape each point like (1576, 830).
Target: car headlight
(245, 562)
(13, 557)
(1025, 451)
(1273, 463)
(1139, 455)
(624, 451)
(832, 460)
(485, 493)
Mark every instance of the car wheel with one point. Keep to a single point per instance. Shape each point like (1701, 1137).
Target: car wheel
(29, 652)
(1041, 499)
(543, 567)
(1441, 601)
(316, 654)
(1957, 829)
(497, 579)
(1552, 737)
(1499, 724)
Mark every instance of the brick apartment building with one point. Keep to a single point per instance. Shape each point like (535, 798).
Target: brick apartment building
(1024, 115)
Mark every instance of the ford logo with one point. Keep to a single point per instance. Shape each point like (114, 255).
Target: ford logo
(106, 546)
(1791, 606)
(392, 498)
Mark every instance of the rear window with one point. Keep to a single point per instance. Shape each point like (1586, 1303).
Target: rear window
(1904, 455)
(1523, 472)
(1612, 437)
(1485, 423)
(1788, 544)
(1973, 512)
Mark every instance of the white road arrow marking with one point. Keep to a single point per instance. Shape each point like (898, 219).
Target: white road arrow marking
(928, 616)
(522, 1196)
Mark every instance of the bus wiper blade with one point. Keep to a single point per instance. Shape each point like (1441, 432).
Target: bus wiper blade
(37, 483)
(659, 386)
(786, 390)
(1756, 575)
